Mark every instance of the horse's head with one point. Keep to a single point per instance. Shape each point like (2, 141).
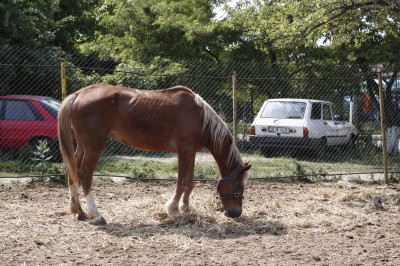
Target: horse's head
(231, 188)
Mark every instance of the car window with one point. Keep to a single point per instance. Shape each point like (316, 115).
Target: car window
(337, 116)
(327, 114)
(316, 111)
(284, 110)
(21, 111)
(52, 106)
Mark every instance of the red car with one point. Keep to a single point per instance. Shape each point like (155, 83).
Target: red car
(24, 120)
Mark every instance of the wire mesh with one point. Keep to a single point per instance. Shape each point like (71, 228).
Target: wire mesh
(324, 145)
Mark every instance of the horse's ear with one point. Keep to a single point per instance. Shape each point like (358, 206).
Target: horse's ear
(245, 175)
(247, 166)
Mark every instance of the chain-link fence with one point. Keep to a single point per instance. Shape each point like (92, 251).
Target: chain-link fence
(337, 133)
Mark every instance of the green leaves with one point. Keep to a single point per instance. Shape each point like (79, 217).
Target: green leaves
(131, 30)
(340, 27)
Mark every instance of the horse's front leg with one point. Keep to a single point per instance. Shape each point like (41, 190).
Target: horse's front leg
(184, 185)
(185, 206)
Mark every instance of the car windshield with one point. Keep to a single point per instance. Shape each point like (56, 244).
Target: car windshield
(52, 106)
(284, 110)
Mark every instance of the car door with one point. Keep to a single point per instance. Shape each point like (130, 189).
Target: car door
(342, 127)
(330, 129)
(19, 123)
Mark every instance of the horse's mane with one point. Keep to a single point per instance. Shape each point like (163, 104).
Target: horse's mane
(218, 130)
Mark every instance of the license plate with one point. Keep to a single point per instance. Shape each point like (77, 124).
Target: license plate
(284, 130)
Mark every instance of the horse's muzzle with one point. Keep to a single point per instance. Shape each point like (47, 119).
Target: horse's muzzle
(233, 213)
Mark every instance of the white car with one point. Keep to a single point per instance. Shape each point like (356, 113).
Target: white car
(300, 124)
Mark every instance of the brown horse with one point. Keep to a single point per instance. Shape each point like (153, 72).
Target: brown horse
(175, 120)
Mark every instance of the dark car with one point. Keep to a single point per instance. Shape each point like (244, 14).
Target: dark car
(25, 120)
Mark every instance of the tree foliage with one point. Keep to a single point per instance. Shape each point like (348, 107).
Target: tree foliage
(47, 23)
(274, 31)
(289, 37)
(308, 30)
(132, 30)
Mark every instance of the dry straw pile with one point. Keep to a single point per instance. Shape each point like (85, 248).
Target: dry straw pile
(335, 223)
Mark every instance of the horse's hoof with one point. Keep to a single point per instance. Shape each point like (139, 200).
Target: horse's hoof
(172, 209)
(175, 215)
(186, 209)
(173, 212)
(82, 216)
(98, 221)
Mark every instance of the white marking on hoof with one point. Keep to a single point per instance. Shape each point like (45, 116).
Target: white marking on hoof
(172, 208)
(92, 211)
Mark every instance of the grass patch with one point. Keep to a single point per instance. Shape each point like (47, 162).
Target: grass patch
(153, 169)
(206, 171)
(166, 167)
(149, 169)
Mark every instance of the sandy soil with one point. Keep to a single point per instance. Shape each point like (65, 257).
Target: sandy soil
(282, 224)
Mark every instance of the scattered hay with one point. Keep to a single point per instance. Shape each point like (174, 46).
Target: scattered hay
(279, 219)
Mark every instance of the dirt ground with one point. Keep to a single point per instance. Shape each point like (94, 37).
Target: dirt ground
(282, 224)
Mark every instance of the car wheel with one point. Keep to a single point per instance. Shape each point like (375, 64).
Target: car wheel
(351, 142)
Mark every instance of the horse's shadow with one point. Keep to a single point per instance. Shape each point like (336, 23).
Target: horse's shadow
(196, 226)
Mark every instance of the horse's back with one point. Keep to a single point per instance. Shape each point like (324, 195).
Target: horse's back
(105, 93)
(144, 119)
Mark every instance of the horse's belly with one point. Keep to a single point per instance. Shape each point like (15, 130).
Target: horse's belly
(147, 142)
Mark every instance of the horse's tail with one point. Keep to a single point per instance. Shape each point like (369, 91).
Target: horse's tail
(65, 139)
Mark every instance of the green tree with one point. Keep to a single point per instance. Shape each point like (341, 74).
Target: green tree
(75, 23)
(134, 30)
(308, 30)
(27, 23)
(47, 23)
(40, 33)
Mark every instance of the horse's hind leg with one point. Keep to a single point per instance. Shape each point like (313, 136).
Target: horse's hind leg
(185, 183)
(75, 205)
(85, 172)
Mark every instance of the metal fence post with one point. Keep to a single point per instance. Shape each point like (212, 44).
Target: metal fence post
(63, 79)
(351, 109)
(383, 128)
(234, 105)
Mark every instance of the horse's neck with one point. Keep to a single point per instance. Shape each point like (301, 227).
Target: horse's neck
(227, 159)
